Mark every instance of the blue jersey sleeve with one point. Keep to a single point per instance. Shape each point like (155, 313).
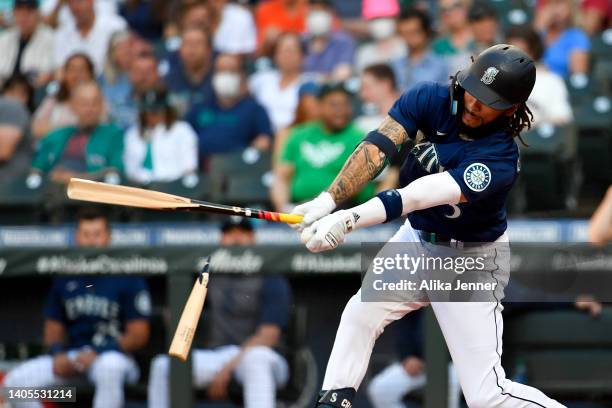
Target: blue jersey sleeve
(135, 299)
(54, 308)
(410, 108)
(480, 179)
(275, 302)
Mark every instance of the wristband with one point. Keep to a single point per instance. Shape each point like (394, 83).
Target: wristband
(392, 201)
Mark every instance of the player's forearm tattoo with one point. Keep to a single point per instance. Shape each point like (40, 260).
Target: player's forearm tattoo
(393, 130)
(365, 163)
(361, 167)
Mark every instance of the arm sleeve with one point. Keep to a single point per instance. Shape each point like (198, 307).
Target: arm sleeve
(275, 302)
(43, 159)
(408, 110)
(54, 308)
(135, 299)
(480, 179)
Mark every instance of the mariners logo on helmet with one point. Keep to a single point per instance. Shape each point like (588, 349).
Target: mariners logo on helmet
(477, 177)
(489, 76)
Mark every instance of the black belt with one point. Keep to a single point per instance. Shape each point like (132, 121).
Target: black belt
(446, 240)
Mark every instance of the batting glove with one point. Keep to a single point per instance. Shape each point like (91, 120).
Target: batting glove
(314, 210)
(329, 232)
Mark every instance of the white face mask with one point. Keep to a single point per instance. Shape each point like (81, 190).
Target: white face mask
(381, 28)
(319, 22)
(226, 84)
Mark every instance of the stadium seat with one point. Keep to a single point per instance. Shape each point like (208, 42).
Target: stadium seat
(593, 119)
(21, 204)
(566, 353)
(550, 174)
(240, 178)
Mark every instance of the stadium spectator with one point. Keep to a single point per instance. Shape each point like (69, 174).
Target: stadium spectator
(329, 53)
(160, 148)
(596, 16)
(27, 48)
(15, 138)
(234, 28)
(549, 100)
(115, 79)
(456, 45)
(421, 64)
(378, 93)
(189, 75)
(274, 17)
(87, 150)
(55, 110)
(600, 228)
(485, 26)
(92, 326)
(380, 15)
(90, 34)
(316, 151)
(233, 120)
(245, 318)
(277, 90)
(566, 46)
(145, 18)
(389, 387)
(57, 13)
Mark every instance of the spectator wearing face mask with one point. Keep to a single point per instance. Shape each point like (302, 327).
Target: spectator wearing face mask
(380, 15)
(420, 63)
(329, 53)
(233, 120)
(485, 26)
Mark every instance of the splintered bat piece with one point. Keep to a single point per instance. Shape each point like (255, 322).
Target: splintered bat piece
(188, 323)
(97, 192)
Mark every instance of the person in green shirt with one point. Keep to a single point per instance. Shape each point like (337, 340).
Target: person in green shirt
(316, 151)
(91, 149)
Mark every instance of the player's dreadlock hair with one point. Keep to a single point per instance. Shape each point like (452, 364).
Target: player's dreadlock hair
(520, 120)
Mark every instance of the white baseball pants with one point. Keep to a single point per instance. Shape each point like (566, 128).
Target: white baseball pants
(473, 334)
(108, 373)
(260, 370)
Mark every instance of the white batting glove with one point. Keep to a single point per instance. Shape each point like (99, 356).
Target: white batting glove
(329, 232)
(313, 210)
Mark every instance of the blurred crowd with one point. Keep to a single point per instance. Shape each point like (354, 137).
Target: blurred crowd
(138, 91)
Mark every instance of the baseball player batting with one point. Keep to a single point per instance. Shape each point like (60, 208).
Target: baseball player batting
(455, 182)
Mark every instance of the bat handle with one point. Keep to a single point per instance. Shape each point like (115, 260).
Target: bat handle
(291, 218)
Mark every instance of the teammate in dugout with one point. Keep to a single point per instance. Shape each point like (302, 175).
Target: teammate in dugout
(92, 325)
(455, 183)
